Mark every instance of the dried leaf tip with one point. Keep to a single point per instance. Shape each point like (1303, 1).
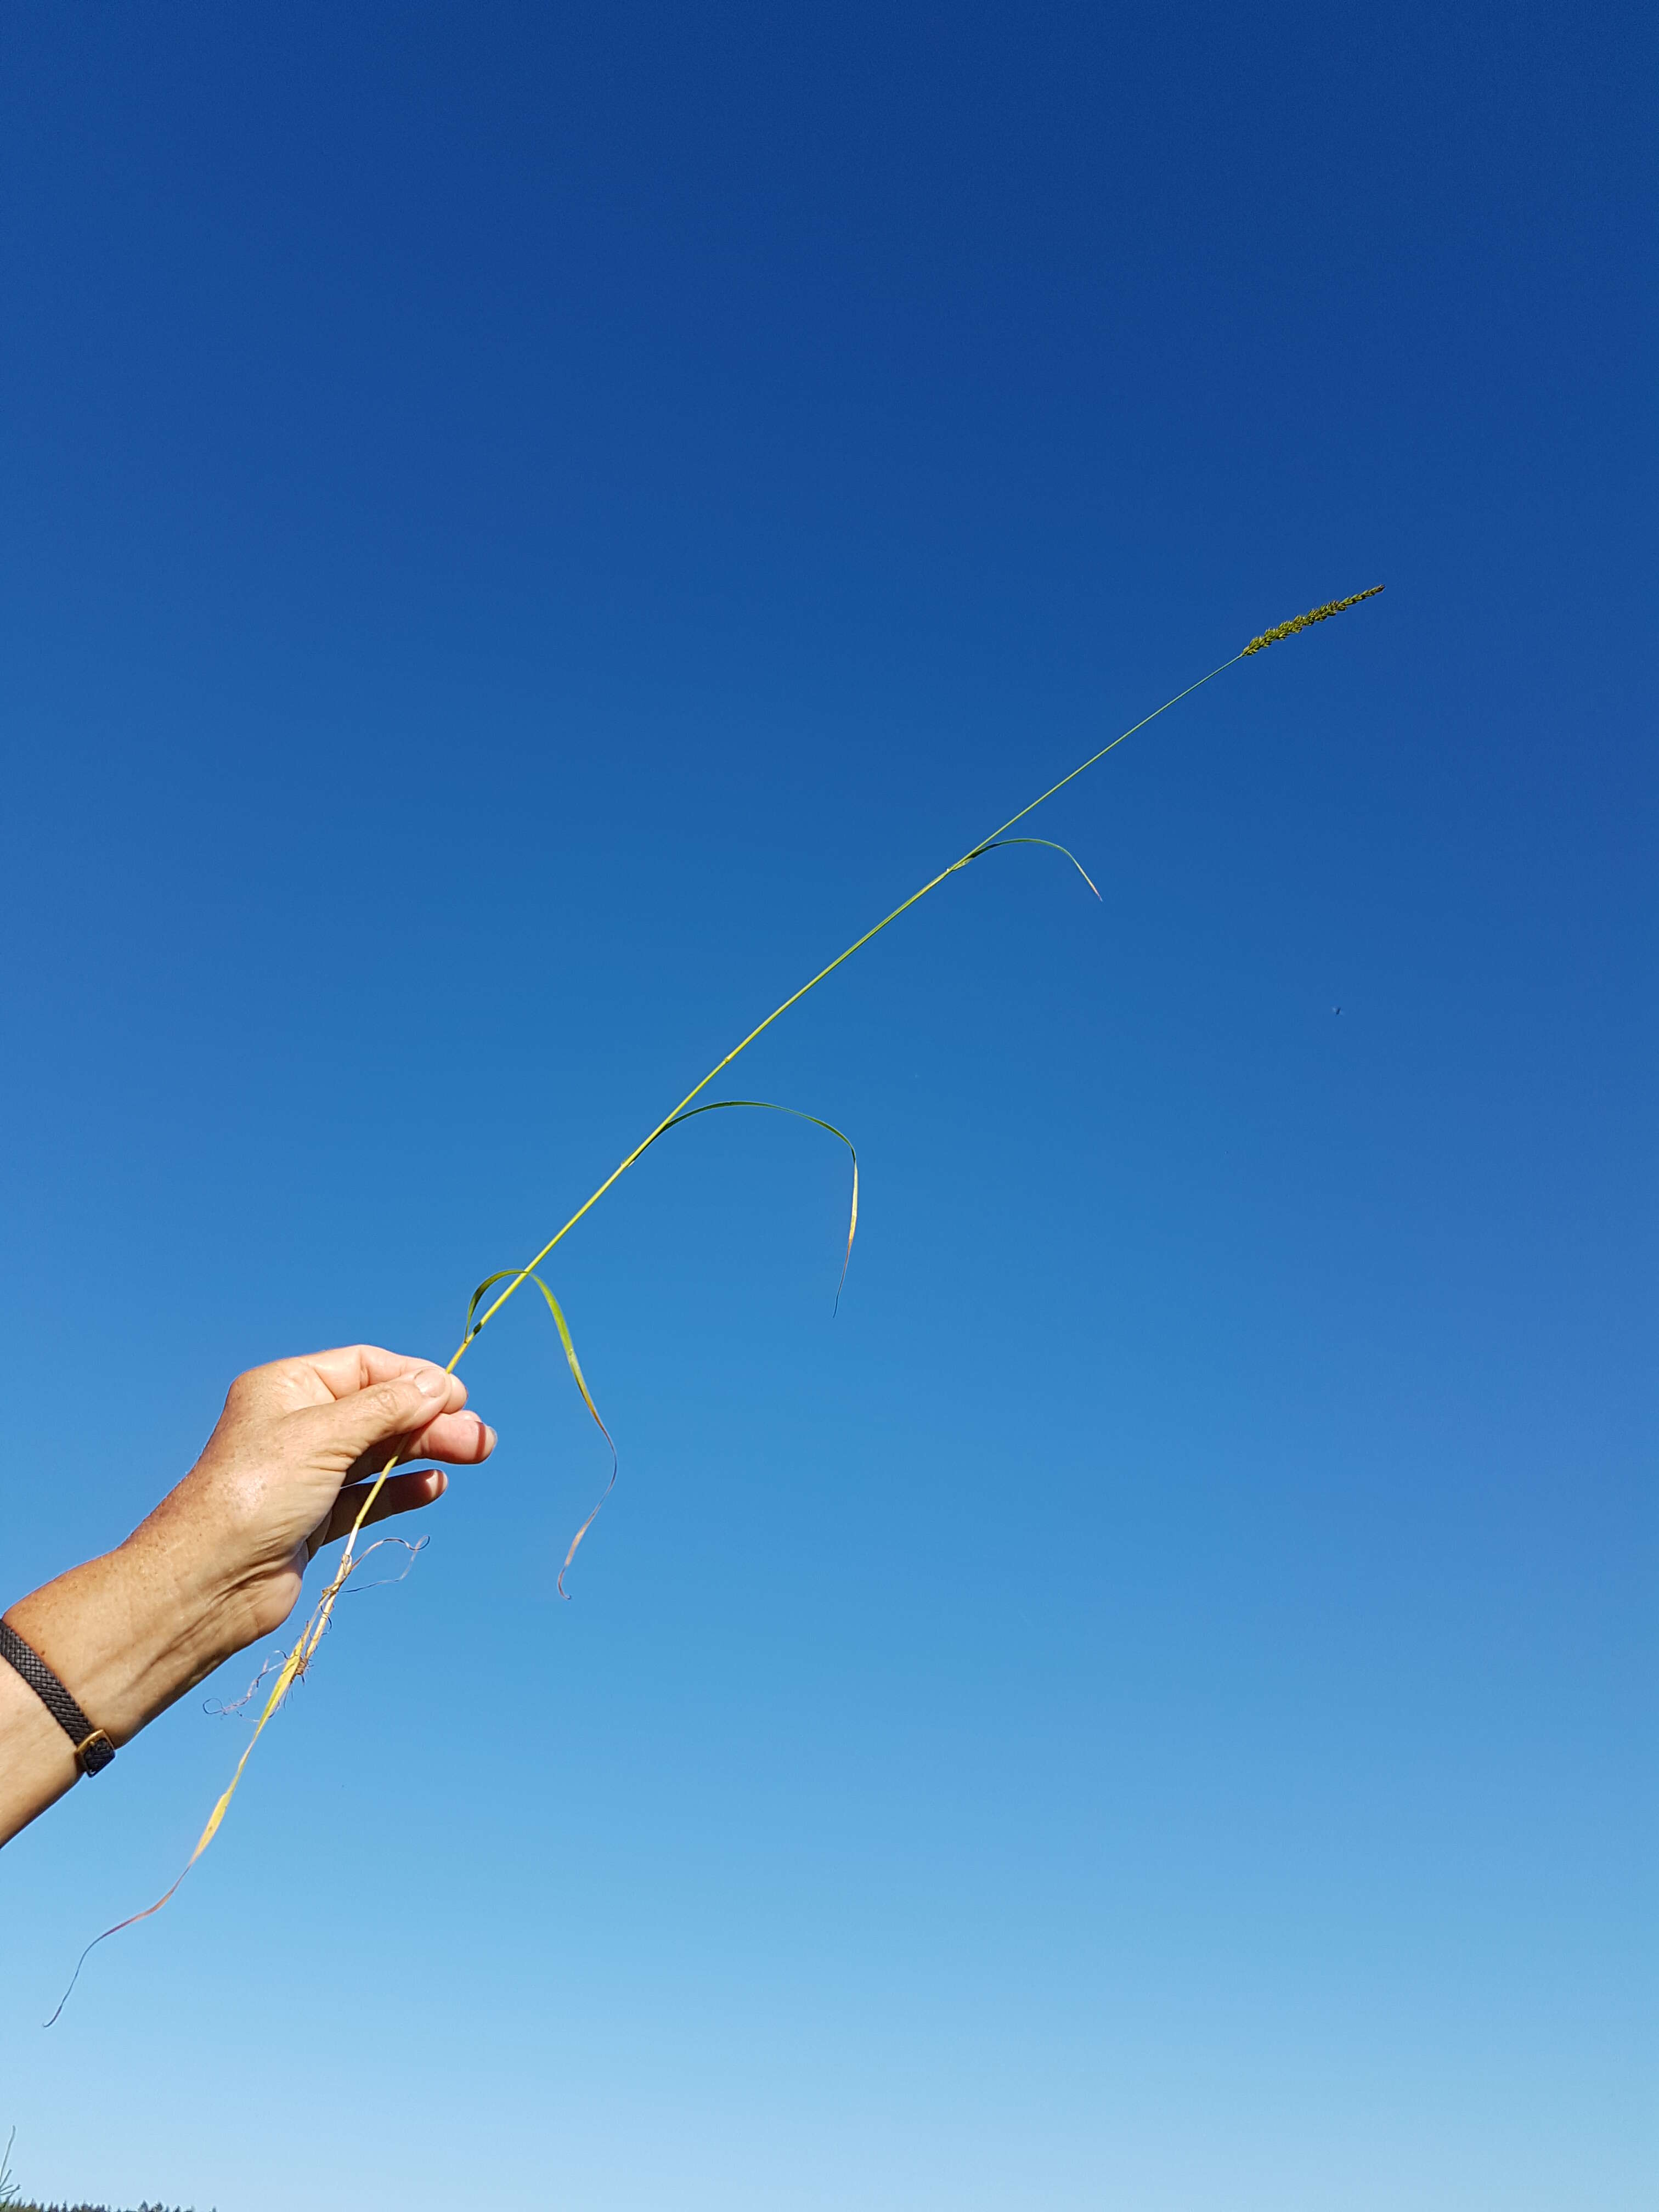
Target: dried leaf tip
(1314, 614)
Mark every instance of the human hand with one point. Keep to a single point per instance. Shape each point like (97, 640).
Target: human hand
(218, 1564)
(287, 1470)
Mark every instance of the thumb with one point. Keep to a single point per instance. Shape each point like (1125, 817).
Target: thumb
(387, 1411)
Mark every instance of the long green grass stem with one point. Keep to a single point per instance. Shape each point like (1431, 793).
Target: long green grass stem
(516, 1278)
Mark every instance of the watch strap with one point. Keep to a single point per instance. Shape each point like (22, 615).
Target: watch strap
(93, 1748)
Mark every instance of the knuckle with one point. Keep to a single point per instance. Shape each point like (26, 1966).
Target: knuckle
(246, 1405)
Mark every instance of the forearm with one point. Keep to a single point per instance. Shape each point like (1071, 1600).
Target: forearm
(126, 1634)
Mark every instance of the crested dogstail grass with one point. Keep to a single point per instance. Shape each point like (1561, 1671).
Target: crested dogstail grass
(1303, 621)
(299, 1659)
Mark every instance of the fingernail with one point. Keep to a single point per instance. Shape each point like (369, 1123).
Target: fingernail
(489, 1437)
(432, 1382)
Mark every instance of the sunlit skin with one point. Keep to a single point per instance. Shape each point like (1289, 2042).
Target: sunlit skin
(220, 1563)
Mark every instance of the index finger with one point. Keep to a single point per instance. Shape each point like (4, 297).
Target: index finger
(349, 1368)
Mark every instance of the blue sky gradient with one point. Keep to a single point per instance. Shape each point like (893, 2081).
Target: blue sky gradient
(525, 530)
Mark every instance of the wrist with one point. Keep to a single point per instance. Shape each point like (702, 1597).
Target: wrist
(126, 1634)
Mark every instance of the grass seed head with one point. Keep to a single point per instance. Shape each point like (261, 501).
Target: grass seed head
(1314, 614)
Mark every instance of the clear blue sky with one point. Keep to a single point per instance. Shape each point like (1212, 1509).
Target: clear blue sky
(526, 528)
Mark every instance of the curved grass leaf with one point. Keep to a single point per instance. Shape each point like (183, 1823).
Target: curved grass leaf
(766, 1106)
(575, 1367)
(994, 844)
